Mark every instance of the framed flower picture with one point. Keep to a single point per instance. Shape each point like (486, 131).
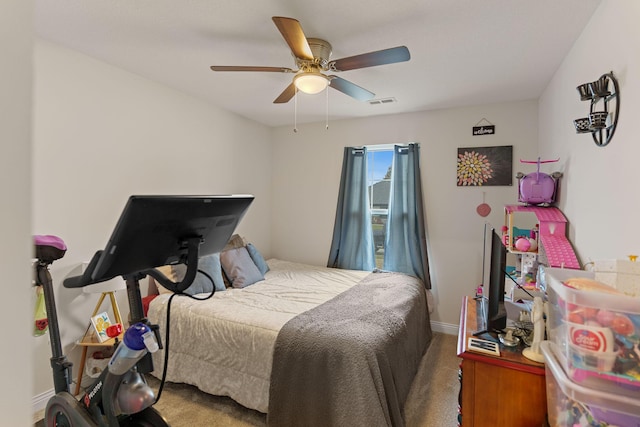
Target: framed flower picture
(485, 166)
(100, 324)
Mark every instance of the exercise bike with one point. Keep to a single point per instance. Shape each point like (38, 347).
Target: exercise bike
(118, 397)
(152, 231)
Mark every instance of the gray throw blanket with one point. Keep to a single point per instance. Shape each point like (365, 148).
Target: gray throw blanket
(351, 361)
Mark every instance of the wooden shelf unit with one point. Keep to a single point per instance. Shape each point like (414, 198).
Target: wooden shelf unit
(89, 339)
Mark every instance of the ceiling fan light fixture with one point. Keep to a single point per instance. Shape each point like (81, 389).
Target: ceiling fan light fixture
(311, 82)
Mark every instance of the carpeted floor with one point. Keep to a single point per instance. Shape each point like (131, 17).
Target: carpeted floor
(432, 401)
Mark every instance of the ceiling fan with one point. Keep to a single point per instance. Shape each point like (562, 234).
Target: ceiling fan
(312, 57)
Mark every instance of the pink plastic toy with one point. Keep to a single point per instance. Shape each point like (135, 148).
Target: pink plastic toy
(523, 244)
(537, 188)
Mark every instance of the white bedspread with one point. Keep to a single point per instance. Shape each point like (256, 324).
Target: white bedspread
(224, 345)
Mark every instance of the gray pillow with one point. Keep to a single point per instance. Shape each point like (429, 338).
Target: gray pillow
(257, 258)
(240, 268)
(210, 264)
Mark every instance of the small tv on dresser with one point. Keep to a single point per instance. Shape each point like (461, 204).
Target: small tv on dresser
(492, 315)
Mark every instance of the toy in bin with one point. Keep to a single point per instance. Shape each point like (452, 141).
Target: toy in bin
(598, 328)
(570, 404)
(538, 188)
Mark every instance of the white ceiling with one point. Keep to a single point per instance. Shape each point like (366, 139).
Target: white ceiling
(463, 52)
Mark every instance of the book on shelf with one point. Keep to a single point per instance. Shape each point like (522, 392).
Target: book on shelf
(100, 323)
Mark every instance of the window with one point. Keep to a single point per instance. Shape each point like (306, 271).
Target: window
(379, 162)
(381, 192)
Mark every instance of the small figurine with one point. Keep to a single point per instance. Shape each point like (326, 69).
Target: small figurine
(505, 236)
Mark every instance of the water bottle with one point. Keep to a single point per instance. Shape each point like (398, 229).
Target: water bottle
(137, 340)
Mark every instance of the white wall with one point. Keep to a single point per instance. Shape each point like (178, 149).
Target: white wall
(16, 317)
(599, 193)
(306, 175)
(102, 134)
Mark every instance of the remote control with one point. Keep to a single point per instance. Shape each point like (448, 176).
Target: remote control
(484, 346)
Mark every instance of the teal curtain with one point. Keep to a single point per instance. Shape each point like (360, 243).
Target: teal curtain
(405, 248)
(352, 245)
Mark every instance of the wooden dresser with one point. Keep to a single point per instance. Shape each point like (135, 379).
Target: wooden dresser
(505, 391)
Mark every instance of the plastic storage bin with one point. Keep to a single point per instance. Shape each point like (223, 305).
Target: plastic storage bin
(597, 333)
(570, 404)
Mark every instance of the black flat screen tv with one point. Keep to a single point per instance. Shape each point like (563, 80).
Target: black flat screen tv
(493, 313)
(152, 231)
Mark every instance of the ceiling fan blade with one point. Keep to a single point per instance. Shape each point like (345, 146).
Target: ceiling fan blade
(242, 68)
(351, 89)
(286, 95)
(371, 59)
(294, 36)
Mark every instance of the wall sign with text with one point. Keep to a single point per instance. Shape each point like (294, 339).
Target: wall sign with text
(484, 130)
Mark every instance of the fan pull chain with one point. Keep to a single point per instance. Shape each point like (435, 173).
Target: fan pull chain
(326, 112)
(295, 110)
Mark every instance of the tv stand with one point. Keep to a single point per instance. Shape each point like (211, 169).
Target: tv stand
(509, 390)
(487, 335)
(481, 322)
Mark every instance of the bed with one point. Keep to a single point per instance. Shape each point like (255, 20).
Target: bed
(307, 345)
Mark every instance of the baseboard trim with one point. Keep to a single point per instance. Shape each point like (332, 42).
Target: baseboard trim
(444, 328)
(39, 402)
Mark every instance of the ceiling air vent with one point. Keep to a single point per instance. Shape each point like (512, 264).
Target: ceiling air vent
(382, 101)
